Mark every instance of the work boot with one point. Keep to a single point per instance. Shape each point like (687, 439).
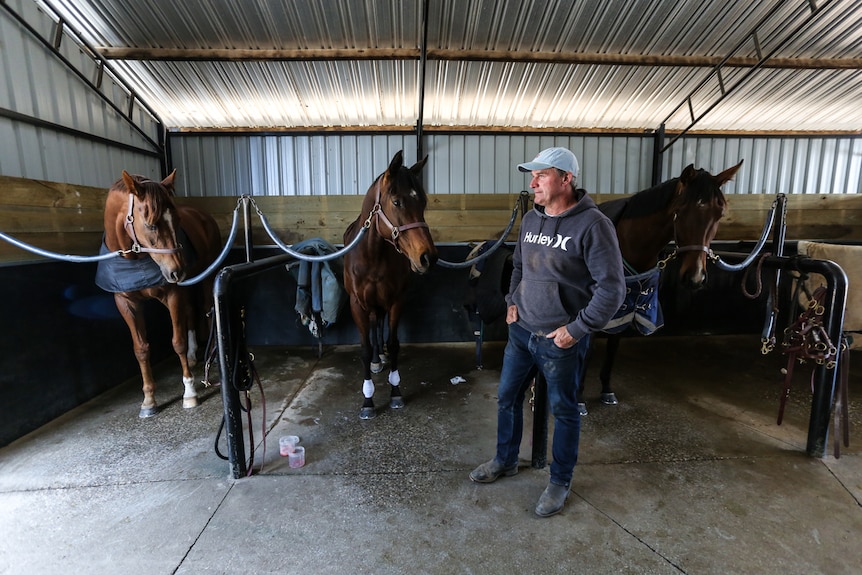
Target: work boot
(490, 471)
(552, 500)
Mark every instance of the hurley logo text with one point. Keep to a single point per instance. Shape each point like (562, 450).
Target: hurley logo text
(545, 240)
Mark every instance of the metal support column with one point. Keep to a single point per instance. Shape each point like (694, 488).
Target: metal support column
(540, 422)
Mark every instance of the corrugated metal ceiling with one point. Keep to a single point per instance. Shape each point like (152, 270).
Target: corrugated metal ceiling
(542, 64)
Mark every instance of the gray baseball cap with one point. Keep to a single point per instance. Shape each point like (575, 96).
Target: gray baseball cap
(560, 158)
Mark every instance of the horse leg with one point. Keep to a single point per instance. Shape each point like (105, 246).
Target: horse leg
(367, 411)
(363, 323)
(393, 346)
(134, 319)
(377, 355)
(608, 396)
(177, 302)
(191, 335)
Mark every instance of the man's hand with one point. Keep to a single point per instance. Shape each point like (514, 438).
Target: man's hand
(512, 314)
(562, 338)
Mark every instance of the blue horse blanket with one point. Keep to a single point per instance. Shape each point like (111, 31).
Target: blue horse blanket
(120, 274)
(641, 308)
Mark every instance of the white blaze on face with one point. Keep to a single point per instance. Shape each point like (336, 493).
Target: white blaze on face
(168, 219)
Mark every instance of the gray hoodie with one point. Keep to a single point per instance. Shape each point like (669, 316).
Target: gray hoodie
(567, 270)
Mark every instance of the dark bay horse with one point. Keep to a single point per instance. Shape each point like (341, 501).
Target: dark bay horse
(162, 243)
(685, 210)
(377, 270)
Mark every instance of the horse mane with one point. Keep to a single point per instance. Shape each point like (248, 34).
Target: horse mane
(657, 198)
(650, 201)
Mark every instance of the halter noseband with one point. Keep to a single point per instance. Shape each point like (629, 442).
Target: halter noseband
(690, 248)
(136, 245)
(395, 231)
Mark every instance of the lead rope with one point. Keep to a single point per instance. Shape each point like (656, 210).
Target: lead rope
(767, 334)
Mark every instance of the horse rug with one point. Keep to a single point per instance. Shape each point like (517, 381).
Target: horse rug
(121, 274)
(641, 309)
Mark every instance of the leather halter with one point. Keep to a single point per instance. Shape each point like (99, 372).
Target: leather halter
(395, 231)
(690, 248)
(136, 245)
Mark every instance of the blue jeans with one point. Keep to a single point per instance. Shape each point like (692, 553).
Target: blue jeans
(525, 355)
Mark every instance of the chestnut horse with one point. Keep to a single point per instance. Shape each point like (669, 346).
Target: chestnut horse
(162, 244)
(685, 210)
(377, 270)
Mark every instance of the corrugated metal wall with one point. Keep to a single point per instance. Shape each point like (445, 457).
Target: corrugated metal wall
(53, 125)
(293, 165)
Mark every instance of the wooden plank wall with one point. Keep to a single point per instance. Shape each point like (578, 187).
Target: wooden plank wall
(67, 219)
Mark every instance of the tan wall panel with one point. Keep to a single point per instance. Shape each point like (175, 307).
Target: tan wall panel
(68, 219)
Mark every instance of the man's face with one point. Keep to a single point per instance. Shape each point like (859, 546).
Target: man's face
(548, 185)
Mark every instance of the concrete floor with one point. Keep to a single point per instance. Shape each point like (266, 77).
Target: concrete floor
(689, 474)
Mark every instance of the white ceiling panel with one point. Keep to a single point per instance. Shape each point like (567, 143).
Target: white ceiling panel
(537, 64)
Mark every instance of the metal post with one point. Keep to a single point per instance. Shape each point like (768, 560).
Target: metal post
(224, 318)
(540, 422)
(657, 152)
(228, 331)
(246, 216)
(825, 380)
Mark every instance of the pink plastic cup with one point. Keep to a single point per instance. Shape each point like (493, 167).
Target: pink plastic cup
(297, 458)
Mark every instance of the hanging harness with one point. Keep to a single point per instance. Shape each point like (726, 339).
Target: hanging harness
(807, 340)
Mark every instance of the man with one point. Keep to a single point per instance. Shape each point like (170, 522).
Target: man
(567, 282)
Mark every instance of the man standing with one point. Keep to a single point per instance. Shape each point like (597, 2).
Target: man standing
(567, 282)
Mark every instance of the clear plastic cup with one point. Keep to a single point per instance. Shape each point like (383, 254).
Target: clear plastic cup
(297, 458)
(287, 444)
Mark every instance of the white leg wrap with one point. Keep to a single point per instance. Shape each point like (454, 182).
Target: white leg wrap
(394, 378)
(368, 388)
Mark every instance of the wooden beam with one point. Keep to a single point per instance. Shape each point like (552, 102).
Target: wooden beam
(591, 58)
(517, 130)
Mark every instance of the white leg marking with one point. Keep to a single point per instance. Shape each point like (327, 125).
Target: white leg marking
(394, 378)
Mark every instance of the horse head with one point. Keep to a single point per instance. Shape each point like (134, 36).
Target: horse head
(152, 223)
(400, 203)
(697, 207)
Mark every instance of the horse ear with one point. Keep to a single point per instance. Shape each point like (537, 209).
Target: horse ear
(687, 174)
(397, 162)
(417, 167)
(168, 182)
(131, 184)
(728, 173)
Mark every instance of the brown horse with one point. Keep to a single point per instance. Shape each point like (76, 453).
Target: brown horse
(162, 244)
(685, 210)
(377, 270)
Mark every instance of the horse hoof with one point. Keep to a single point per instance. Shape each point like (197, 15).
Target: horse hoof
(396, 403)
(148, 412)
(609, 399)
(367, 413)
(376, 367)
(189, 402)
(582, 409)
